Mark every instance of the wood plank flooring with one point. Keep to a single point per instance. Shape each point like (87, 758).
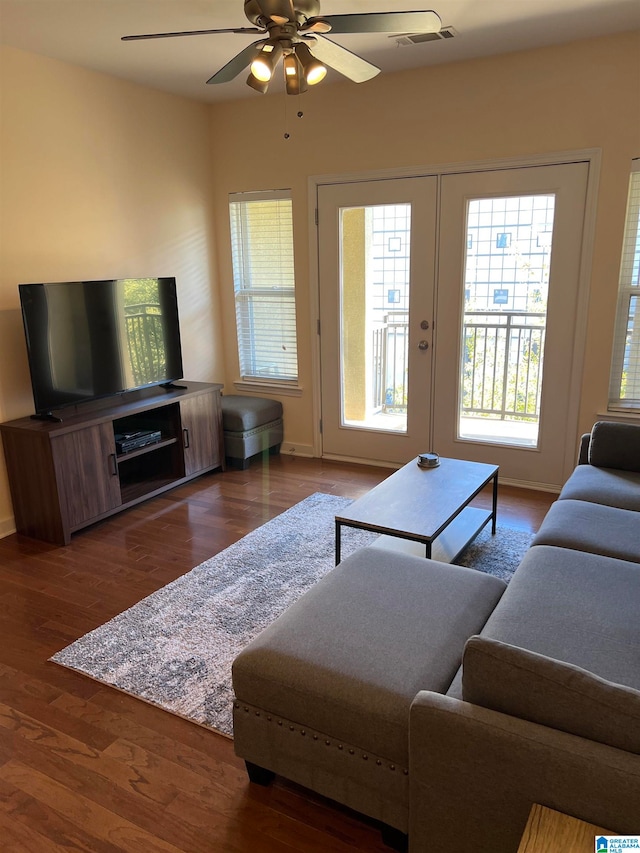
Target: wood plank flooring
(85, 767)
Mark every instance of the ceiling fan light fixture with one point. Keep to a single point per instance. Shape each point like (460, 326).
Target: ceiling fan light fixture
(263, 65)
(314, 70)
(259, 85)
(294, 77)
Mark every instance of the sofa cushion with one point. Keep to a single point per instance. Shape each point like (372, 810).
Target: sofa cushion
(608, 486)
(349, 656)
(615, 445)
(553, 693)
(591, 527)
(575, 607)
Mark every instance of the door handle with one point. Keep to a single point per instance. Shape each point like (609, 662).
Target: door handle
(423, 345)
(185, 438)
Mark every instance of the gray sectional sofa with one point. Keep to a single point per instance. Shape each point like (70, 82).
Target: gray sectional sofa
(444, 703)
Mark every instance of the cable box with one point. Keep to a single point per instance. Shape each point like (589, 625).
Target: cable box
(128, 441)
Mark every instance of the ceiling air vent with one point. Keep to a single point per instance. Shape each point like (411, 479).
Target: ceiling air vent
(419, 38)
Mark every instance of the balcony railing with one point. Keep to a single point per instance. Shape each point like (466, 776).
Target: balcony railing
(502, 364)
(390, 362)
(145, 340)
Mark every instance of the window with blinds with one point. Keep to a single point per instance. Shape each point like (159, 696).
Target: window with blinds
(263, 280)
(624, 392)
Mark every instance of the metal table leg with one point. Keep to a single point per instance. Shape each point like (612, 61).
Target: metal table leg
(495, 503)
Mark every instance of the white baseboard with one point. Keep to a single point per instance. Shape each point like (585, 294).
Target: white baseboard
(525, 484)
(376, 463)
(7, 526)
(289, 448)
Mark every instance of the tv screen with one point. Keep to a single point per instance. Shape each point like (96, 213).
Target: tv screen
(91, 339)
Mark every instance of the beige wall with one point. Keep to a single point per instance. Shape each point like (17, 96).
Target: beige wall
(100, 179)
(582, 95)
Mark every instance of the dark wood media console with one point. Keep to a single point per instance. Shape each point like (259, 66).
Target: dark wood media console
(65, 476)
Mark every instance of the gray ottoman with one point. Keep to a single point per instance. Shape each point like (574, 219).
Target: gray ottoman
(251, 425)
(322, 696)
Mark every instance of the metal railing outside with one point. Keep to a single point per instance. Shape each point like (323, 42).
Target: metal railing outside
(390, 354)
(502, 364)
(145, 340)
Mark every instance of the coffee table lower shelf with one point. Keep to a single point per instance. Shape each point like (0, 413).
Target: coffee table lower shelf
(448, 546)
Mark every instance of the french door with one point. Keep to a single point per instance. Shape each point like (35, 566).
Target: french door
(376, 267)
(448, 313)
(509, 273)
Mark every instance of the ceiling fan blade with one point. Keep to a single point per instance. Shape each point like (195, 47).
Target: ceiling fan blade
(239, 62)
(383, 22)
(241, 30)
(316, 25)
(342, 60)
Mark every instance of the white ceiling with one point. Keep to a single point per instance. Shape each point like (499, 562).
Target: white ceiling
(87, 33)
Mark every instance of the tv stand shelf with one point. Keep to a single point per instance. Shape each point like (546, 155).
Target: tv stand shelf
(149, 448)
(65, 475)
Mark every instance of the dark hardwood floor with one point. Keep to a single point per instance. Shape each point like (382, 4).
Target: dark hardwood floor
(85, 767)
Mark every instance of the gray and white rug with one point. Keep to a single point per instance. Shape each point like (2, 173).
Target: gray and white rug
(174, 648)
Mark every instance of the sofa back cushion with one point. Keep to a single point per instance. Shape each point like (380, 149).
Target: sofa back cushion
(552, 693)
(615, 445)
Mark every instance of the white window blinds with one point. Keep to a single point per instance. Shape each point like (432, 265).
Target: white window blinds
(624, 392)
(263, 280)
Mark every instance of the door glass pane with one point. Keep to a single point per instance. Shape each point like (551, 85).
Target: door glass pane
(374, 316)
(506, 283)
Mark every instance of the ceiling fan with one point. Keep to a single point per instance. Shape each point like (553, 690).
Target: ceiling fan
(294, 31)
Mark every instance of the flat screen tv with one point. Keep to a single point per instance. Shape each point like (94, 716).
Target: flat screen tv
(93, 339)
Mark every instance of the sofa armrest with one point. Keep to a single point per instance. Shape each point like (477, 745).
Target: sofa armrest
(583, 449)
(475, 773)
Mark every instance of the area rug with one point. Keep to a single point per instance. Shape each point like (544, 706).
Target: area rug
(174, 648)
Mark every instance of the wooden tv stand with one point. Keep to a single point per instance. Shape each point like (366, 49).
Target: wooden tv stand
(65, 476)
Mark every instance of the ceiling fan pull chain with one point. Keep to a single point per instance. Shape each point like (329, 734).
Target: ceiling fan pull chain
(286, 134)
(299, 114)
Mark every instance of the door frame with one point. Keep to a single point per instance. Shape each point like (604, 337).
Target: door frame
(341, 439)
(592, 156)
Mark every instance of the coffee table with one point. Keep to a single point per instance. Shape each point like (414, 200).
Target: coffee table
(426, 505)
